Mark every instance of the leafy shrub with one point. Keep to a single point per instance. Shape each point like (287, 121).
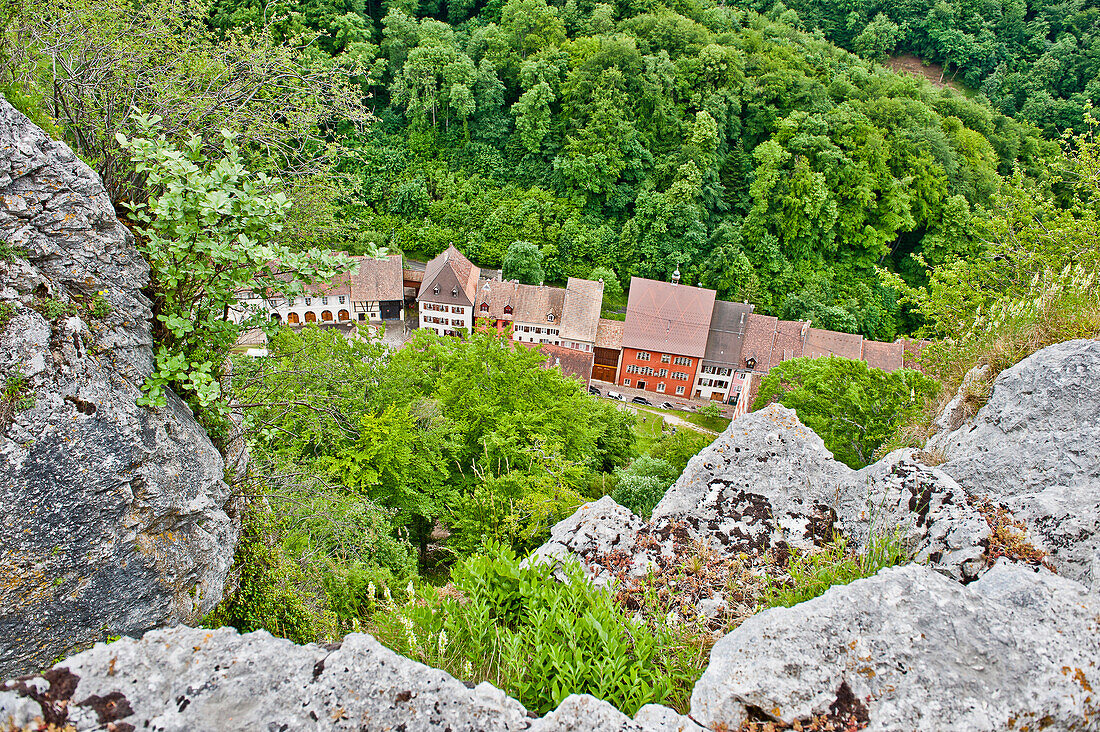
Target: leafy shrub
(853, 407)
(270, 592)
(680, 447)
(309, 562)
(641, 486)
(710, 409)
(811, 574)
(538, 639)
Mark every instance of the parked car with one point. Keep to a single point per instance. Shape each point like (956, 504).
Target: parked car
(616, 395)
(594, 391)
(668, 405)
(641, 400)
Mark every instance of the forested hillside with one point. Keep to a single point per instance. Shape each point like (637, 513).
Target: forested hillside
(1038, 59)
(760, 159)
(763, 162)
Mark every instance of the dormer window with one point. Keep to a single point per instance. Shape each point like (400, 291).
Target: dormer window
(484, 307)
(507, 309)
(454, 292)
(550, 317)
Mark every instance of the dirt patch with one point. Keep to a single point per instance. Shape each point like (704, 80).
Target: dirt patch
(935, 73)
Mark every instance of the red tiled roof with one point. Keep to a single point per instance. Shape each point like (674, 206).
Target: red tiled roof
(667, 318)
(338, 285)
(529, 303)
(831, 343)
(536, 302)
(377, 279)
(580, 315)
(572, 363)
(885, 356)
(758, 342)
(609, 334)
(497, 295)
(790, 339)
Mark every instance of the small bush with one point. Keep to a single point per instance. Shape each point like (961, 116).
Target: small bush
(678, 448)
(269, 592)
(642, 485)
(810, 575)
(710, 409)
(7, 312)
(538, 639)
(52, 309)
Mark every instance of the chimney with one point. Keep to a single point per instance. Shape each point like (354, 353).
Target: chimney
(676, 276)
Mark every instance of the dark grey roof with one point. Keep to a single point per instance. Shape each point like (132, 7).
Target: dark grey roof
(727, 333)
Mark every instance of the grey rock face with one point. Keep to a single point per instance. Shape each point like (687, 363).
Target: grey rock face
(909, 649)
(766, 479)
(958, 410)
(926, 507)
(1035, 449)
(768, 483)
(112, 516)
(193, 679)
(595, 530)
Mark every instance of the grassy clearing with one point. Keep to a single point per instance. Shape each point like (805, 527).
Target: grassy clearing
(648, 430)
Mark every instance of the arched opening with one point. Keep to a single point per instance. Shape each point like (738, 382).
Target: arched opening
(343, 315)
(292, 318)
(311, 317)
(276, 317)
(327, 316)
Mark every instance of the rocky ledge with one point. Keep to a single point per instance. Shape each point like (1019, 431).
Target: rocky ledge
(113, 517)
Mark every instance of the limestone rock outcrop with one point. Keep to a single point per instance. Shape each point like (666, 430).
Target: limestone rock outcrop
(113, 517)
(192, 679)
(1034, 448)
(909, 649)
(769, 484)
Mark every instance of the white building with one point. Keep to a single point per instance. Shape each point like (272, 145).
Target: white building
(721, 376)
(447, 294)
(372, 293)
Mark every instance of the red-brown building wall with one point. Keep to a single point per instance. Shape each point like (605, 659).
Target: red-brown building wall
(631, 363)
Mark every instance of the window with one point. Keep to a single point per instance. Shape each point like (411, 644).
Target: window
(664, 373)
(507, 309)
(456, 310)
(681, 361)
(309, 301)
(484, 307)
(679, 391)
(342, 299)
(643, 356)
(550, 317)
(626, 382)
(435, 290)
(661, 388)
(324, 301)
(454, 292)
(665, 358)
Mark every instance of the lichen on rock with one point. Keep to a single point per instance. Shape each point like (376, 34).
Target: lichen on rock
(113, 517)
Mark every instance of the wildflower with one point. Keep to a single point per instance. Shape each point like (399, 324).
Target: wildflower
(410, 590)
(467, 668)
(442, 642)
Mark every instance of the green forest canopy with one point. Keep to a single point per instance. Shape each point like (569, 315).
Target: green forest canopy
(759, 158)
